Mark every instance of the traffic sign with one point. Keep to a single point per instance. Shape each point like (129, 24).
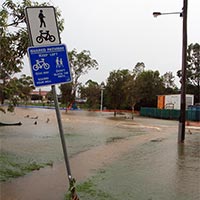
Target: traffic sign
(49, 65)
(42, 25)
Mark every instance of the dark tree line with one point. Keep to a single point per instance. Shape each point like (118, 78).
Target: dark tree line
(126, 89)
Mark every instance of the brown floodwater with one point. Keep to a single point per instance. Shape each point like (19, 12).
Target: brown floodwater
(95, 141)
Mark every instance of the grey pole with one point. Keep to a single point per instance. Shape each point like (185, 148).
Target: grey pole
(61, 133)
(101, 107)
(181, 128)
(72, 188)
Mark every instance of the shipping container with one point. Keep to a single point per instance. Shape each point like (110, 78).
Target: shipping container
(173, 101)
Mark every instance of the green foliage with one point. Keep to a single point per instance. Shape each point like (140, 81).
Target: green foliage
(139, 67)
(66, 90)
(114, 90)
(14, 42)
(192, 71)
(168, 80)
(16, 89)
(125, 89)
(49, 95)
(193, 64)
(13, 166)
(88, 190)
(91, 91)
(148, 85)
(80, 64)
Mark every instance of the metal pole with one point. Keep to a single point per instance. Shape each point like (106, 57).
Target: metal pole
(101, 108)
(181, 130)
(72, 181)
(61, 133)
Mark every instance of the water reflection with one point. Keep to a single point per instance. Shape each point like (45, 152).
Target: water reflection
(188, 169)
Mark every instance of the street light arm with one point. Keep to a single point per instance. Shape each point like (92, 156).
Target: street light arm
(156, 14)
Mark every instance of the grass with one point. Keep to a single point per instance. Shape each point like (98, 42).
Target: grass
(41, 104)
(114, 139)
(13, 166)
(88, 190)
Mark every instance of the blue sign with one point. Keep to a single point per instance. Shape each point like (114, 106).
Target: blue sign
(49, 65)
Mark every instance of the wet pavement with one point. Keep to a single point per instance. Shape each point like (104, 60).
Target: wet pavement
(140, 158)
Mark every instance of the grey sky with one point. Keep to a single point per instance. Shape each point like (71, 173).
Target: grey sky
(120, 33)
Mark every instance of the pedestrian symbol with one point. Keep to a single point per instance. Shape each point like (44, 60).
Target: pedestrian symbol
(59, 62)
(42, 26)
(41, 17)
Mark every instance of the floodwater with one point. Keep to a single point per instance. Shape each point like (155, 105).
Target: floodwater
(141, 158)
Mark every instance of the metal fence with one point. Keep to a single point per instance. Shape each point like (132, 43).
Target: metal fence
(192, 114)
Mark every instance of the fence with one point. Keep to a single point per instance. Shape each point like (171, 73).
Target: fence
(191, 114)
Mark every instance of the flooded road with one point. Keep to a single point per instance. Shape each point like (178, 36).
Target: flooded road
(140, 158)
(157, 169)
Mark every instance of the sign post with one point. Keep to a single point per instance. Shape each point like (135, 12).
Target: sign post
(49, 64)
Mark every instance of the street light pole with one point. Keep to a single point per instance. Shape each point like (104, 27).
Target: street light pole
(102, 88)
(101, 99)
(181, 127)
(181, 130)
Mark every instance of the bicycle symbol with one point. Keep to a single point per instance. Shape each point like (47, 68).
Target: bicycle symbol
(45, 36)
(40, 64)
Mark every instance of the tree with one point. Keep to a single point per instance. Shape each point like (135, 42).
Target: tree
(139, 67)
(192, 71)
(132, 96)
(91, 91)
(80, 64)
(170, 86)
(49, 95)
(66, 90)
(148, 85)
(24, 87)
(14, 41)
(10, 55)
(17, 89)
(115, 93)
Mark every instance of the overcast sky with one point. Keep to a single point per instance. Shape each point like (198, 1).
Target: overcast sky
(120, 33)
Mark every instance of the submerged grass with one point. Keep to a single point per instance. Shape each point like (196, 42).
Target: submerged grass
(13, 166)
(114, 139)
(88, 190)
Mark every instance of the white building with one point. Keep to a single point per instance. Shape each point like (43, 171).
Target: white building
(173, 101)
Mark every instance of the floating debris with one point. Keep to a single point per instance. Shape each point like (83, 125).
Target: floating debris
(157, 140)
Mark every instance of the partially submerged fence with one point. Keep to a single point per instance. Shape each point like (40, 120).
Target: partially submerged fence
(192, 114)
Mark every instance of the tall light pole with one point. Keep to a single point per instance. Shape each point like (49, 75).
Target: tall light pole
(181, 130)
(102, 88)
(181, 127)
